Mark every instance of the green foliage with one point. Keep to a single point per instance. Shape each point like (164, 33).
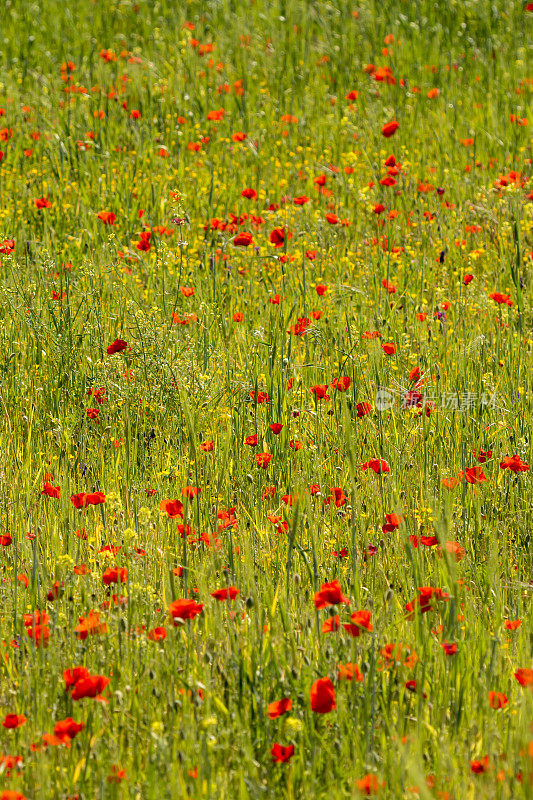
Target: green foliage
(107, 107)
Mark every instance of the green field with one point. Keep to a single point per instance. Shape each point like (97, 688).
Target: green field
(266, 405)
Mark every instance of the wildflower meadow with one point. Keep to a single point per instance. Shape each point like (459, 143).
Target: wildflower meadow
(266, 356)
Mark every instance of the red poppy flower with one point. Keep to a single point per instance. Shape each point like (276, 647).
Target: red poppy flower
(282, 754)
(368, 785)
(14, 721)
(467, 279)
(115, 575)
(426, 594)
(238, 316)
(36, 618)
(474, 475)
(278, 236)
(389, 129)
(350, 672)
(501, 299)
(342, 553)
(300, 327)
(280, 524)
(185, 530)
(7, 246)
(378, 465)
(90, 625)
(72, 676)
(480, 766)
(389, 348)
(90, 686)
(226, 594)
(427, 541)
(243, 239)
(449, 648)
(497, 700)
(184, 609)
(279, 707)
(393, 522)
(320, 392)
(331, 624)
(251, 440)
(338, 494)
(512, 625)
(515, 464)
(107, 217)
(190, 492)
(412, 686)
(363, 409)
(360, 621)
(186, 320)
(173, 508)
(207, 447)
(263, 459)
(275, 427)
(341, 384)
(157, 634)
(117, 346)
(330, 594)
(450, 483)
(322, 696)
(524, 676)
(262, 397)
(216, 115)
(67, 729)
(82, 500)
(250, 194)
(109, 548)
(116, 775)
(388, 286)
(55, 591)
(454, 549)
